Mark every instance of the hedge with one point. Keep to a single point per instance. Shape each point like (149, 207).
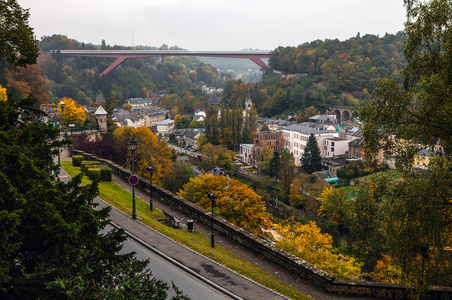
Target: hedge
(93, 173)
(77, 160)
(105, 172)
(85, 163)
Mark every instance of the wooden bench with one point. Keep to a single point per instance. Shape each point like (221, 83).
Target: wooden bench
(170, 218)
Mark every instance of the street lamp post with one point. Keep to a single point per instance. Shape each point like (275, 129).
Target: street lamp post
(61, 121)
(132, 147)
(151, 172)
(212, 237)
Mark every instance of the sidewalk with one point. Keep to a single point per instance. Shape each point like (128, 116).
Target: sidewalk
(218, 274)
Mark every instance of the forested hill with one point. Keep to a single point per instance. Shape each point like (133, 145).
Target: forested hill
(352, 65)
(79, 77)
(322, 73)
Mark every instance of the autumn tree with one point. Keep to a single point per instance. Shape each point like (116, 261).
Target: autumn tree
(309, 243)
(72, 113)
(311, 161)
(26, 81)
(296, 196)
(150, 152)
(334, 206)
(235, 201)
(181, 122)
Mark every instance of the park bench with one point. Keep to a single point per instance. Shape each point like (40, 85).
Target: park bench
(170, 218)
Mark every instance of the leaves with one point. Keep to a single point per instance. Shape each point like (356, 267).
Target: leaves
(308, 243)
(235, 201)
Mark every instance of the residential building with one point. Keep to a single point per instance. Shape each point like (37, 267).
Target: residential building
(296, 138)
(356, 149)
(165, 126)
(423, 158)
(272, 140)
(334, 147)
(247, 154)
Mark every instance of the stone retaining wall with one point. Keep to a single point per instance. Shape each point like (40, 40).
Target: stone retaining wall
(268, 250)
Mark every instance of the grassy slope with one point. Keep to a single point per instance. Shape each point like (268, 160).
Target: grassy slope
(122, 200)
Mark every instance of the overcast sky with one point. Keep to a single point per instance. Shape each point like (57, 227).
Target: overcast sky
(213, 24)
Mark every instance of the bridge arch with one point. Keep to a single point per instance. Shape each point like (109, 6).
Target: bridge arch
(342, 113)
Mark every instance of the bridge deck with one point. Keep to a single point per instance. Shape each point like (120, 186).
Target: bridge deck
(121, 55)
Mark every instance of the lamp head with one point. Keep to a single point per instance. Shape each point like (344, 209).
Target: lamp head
(132, 145)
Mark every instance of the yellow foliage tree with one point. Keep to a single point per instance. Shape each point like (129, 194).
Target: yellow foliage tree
(308, 243)
(150, 152)
(236, 201)
(296, 196)
(334, 205)
(73, 113)
(386, 271)
(3, 95)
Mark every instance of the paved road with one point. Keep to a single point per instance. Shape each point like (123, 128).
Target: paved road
(222, 277)
(166, 271)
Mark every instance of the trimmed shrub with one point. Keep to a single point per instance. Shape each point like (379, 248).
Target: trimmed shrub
(105, 173)
(77, 160)
(86, 163)
(93, 173)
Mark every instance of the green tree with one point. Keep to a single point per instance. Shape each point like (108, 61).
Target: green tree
(286, 173)
(51, 243)
(402, 117)
(181, 122)
(264, 159)
(17, 44)
(311, 161)
(275, 164)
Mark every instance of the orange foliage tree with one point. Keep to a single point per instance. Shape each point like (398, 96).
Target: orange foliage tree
(308, 243)
(235, 201)
(150, 152)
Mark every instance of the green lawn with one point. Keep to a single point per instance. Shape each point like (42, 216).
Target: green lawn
(122, 200)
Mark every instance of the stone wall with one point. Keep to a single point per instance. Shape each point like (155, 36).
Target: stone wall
(261, 247)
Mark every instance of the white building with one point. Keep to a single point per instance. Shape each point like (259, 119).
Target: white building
(296, 138)
(334, 146)
(165, 126)
(246, 153)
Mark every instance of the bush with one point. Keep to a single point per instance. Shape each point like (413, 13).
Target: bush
(93, 173)
(77, 160)
(105, 173)
(86, 163)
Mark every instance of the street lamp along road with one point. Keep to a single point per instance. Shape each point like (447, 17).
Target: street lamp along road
(151, 172)
(212, 237)
(132, 144)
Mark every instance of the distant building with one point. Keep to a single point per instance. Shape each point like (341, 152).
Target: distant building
(272, 140)
(165, 126)
(246, 154)
(296, 138)
(334, 147)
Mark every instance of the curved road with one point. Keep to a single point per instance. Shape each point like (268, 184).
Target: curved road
(209, 272)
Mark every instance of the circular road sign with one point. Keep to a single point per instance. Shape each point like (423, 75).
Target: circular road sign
(133, 179)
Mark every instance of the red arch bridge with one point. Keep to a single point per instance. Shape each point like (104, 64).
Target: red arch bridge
(122, 55)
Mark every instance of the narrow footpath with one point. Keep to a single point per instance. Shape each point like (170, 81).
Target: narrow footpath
(218, 274)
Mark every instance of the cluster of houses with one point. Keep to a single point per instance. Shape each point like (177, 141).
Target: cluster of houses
(340, 140)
